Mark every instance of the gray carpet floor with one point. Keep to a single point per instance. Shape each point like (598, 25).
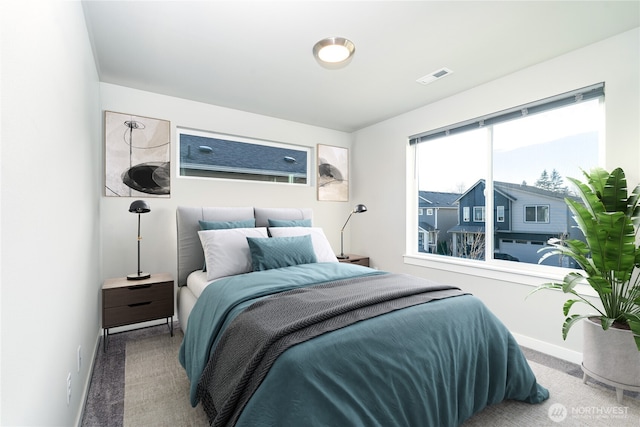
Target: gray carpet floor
(105, 399)
(152, 348)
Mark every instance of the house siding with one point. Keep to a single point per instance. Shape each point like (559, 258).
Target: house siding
(557, 214)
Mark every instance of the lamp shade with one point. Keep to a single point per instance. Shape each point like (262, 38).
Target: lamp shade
(360, 209)
(140, 206)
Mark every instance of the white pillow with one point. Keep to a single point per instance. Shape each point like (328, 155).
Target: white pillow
(226, 251)
(321, 246)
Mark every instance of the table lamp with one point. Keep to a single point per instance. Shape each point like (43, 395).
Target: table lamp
(357, 209)
(139, 207)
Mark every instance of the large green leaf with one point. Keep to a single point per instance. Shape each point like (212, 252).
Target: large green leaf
(568, 304)
(606, 322)
(601, 285)
(597, 180)
(634, 323)
(588, 196)
(633, 207)
(576, 249)
(613, 245)
(570, 321)
(571, 280)
(614, 193)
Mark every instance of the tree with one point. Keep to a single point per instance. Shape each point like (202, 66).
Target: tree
(544, 181)
(553, 182)
(557, 183)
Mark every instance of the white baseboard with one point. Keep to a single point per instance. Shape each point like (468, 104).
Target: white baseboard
(550, 349)
(87, 383)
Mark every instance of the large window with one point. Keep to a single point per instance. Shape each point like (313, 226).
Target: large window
(509, 171)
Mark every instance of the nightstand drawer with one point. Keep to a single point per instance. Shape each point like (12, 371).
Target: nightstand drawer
(356, 259)
(137, 312)
(136, 294)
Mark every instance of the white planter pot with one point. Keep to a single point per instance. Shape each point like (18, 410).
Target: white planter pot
(610, 357)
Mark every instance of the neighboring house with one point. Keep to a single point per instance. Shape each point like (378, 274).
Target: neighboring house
(437, 213)
(221, 158)
(525, 218)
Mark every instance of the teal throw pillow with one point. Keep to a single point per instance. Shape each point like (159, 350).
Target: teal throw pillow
(277, 252)
(289, 222)
(222, 225)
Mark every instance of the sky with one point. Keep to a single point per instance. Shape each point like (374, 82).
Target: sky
(564, 139)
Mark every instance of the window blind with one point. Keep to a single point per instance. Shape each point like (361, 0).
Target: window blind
(573, 97)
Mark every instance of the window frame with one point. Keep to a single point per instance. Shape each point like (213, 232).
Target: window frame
(537, 207)
(482, 216)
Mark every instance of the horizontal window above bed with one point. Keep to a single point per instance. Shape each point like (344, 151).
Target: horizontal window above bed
(211, 155)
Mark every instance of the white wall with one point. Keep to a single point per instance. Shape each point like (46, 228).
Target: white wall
(383, 148)
(158, 249)
(49, 194)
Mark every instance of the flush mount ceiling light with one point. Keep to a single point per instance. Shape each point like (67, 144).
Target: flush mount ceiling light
(334, 52)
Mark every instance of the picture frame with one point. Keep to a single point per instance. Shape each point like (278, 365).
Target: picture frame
(333, 173)
(137, 156)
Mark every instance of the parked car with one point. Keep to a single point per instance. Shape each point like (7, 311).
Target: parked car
(506, 257)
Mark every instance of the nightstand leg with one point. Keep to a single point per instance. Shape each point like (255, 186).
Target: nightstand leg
(105, 337)
(170, 324)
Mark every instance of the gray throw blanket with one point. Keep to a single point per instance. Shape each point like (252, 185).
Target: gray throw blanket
(257, 336)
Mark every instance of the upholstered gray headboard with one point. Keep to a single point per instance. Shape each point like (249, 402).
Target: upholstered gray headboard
(190, 254)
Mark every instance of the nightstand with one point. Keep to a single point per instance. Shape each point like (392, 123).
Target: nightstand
(125, 302)
(356, 259)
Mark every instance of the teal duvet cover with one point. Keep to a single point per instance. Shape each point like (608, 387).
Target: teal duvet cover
(433, 364)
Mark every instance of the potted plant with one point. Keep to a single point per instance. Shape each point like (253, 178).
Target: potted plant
(609, 219)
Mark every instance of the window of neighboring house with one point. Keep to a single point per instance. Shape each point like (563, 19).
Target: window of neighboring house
(208, 155)
(478, 213)
(429, 211)
(420, 212)
(524, 154)
(537, 213)
(422, 242)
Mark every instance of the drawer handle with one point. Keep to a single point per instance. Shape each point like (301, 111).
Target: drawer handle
(133, 288)
(139, 304)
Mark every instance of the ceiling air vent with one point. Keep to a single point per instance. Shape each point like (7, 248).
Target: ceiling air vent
(432, 77)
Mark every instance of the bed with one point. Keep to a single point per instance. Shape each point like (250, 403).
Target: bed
(277, 332)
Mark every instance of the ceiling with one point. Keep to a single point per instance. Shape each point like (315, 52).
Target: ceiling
(257, 56)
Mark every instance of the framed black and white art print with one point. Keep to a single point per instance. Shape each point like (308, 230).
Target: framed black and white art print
(333, 173)
(137, 156)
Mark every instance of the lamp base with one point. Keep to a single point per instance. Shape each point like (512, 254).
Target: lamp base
(138, 276)
(342, 256)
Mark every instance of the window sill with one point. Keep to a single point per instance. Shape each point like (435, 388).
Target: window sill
(523, 274)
